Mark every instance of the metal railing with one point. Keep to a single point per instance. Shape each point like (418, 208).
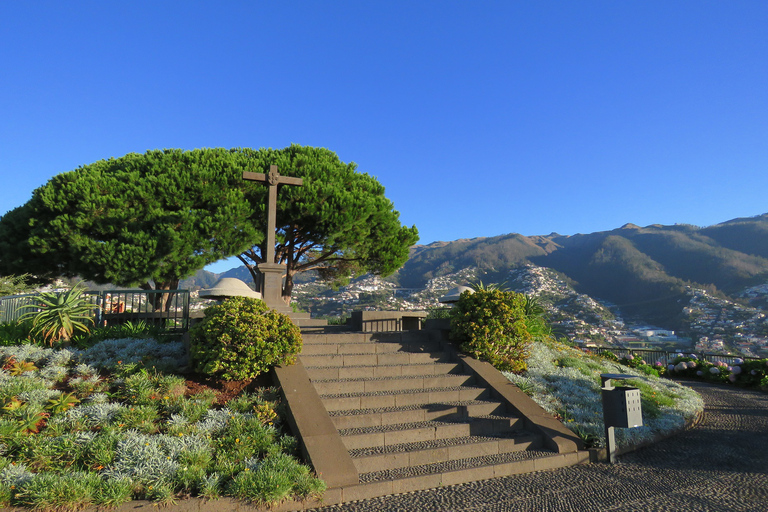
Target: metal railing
(650, 356)
(163, 308)
(10, 306)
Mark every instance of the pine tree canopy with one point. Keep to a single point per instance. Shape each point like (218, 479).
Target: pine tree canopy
(152, 219)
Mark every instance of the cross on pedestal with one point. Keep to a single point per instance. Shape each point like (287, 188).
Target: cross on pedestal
(272, 273)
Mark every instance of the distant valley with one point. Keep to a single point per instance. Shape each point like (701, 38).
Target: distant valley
(709, 282)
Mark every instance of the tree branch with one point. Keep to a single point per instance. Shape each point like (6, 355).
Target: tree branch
(311, 265)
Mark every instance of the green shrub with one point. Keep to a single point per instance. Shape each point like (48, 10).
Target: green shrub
(438, 313)
(59, 491)
(641, 365)
(15, 332)
(751, 373)
(491, 324)
(275, 479)
(134, 330)
(337, 320)
(241, 338)
(112, 493)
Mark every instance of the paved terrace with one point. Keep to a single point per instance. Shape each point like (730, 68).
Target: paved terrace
(721, 465)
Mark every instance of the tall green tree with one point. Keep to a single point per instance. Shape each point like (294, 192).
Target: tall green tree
(338, 223)
(152, 219)
(142, 219)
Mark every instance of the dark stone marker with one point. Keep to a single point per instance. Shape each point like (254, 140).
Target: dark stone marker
(272, 273)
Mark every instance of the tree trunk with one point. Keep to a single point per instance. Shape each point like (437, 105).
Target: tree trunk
(165, 299)
(253, 269)
(288, 287)
(161, 301)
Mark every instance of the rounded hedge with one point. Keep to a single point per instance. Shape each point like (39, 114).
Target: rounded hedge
(491, 324)
(242, 338)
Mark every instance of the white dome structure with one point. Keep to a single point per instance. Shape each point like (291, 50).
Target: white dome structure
(229, 287)
(453, 295)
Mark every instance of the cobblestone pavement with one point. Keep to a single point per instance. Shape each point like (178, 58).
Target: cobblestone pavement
(721, 465)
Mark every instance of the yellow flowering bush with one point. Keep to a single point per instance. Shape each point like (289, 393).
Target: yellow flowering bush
(491, 324)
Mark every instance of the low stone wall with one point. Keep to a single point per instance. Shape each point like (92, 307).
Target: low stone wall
(385, 321)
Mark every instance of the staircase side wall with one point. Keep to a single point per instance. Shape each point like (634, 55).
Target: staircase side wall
(310, 422)
(556, 436)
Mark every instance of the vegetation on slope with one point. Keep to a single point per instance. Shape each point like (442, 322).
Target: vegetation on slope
(566, 383)
(510, 331)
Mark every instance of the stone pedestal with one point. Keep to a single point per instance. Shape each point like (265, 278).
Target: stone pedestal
(272, 286)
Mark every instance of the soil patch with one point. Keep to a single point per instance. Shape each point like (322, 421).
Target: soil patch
(225, 389)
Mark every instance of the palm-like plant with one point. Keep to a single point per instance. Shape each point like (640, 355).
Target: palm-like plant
(479, 286)
(536, 318)
(57, 316)
(62, 403)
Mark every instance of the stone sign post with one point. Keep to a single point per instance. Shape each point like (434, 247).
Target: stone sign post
(272, 273)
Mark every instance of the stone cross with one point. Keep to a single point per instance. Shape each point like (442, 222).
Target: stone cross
(273, 273)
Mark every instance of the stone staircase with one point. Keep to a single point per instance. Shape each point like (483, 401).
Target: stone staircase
(403, 411)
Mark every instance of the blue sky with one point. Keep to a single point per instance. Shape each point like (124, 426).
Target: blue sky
(479, 118)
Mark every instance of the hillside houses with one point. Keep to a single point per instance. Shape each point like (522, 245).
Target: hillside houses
(721, 324)
(715, 324)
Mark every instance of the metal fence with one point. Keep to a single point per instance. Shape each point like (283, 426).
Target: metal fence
(650, 356)
(10, 306)
(163, 308)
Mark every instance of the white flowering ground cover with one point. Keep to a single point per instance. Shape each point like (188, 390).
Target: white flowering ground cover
(566, 383)
(112, 423)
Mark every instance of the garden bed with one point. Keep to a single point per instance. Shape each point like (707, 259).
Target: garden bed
(125, 420)
(566, 383)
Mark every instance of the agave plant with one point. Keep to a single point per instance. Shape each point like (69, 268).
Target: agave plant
(30, 419)
(479, 286)
(16, 368)
(57, 316)
(62, 403)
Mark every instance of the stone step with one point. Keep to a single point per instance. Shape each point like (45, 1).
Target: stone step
(310, 337)
(409, 382)
(424, 431)
(346, 401)
(309, 322)
(369, 460)
(403, 411)
(441, 474)
(368, 348)
(312, 330)
(357, 418)
(396, 358)
(374, 372)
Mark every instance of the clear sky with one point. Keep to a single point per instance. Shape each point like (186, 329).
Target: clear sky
(480, 118)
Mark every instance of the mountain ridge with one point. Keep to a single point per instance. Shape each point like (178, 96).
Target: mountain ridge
(645, 271)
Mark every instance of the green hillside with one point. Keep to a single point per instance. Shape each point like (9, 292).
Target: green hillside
(497, 253)
(749, 236)
(644, 270)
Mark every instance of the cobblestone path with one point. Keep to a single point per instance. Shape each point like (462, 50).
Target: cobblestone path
(722, 465)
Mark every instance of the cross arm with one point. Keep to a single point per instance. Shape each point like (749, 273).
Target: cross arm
(282, 180)
(254, 176)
